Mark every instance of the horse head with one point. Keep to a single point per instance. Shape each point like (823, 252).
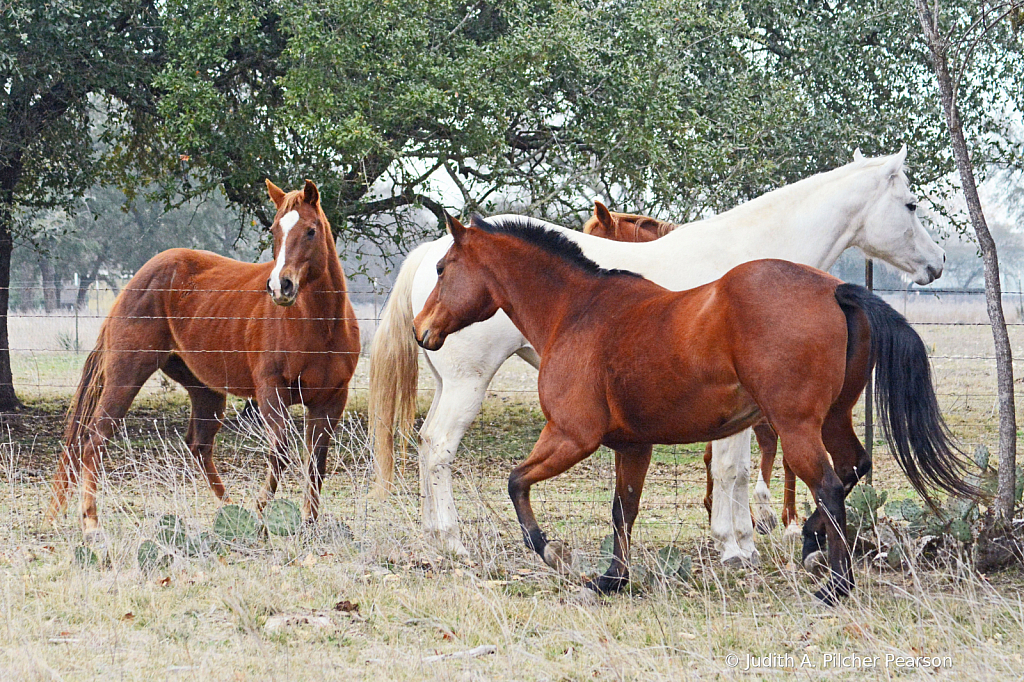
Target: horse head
(624, 227)
(889, 227)
(303, 243)
(463, 293)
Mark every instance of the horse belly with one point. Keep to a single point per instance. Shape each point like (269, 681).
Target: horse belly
(692, 411)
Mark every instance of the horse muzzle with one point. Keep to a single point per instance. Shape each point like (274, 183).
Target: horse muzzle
(429, 340)
(286, 292)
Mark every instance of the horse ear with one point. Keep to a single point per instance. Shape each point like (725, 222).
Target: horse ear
(603, 215)
(895, 162)
(857, 156)
(310, 194)
(276, 193)
(456, 229)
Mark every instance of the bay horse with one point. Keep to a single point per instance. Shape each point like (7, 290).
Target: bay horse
(282, 332)
(627, 363)
(866, 203)
(629, 227)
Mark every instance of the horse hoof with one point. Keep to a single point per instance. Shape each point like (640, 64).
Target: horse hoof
(557, 556)
(379, 492)
(827, 596)
(94, 538)
(766, 523)
(607, 584)
(816, 564)
(793, 534)
(585, 596)
(454, 546)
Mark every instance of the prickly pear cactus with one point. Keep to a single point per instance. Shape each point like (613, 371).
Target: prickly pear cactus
(171, 532)
(282, 517)
(85, 557)
(152, 557)
(236, 524)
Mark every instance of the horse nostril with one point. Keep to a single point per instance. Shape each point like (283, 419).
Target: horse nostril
(287, 286)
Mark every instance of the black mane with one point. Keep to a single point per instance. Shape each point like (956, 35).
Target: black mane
(551, 241)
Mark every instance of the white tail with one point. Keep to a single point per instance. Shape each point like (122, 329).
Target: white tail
(394, 370)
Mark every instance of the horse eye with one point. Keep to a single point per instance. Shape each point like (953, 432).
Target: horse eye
(440, 269)
(912, 207)
(312, 232)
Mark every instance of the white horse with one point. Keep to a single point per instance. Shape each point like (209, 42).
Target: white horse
(866, 203)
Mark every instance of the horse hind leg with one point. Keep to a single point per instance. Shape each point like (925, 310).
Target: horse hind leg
(65, 476)
(731, 527)
(124, 379)
(851, 463)
(761, 512)
(631, 465)
(806, 454)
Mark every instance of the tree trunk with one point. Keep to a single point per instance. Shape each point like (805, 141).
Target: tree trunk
(9, 174)
(993, 290)
(51, 294)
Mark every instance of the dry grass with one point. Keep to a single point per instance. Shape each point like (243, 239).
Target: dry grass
(206, 618)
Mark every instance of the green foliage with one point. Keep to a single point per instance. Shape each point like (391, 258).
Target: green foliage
(665, 108)
(282, 517)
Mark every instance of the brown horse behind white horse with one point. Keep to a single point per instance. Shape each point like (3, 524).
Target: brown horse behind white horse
(627, 363)
(283, 333)
(630, 227)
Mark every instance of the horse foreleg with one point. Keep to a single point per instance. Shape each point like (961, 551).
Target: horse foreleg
(631, 464)
(204, 423)
(457, 401)
(320, 423)
(553, 453)
(731, 527)
(762, 514)
(275, 415)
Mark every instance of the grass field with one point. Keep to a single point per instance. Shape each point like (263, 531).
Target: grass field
(268, 610)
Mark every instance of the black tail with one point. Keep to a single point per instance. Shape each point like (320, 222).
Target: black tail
(911, 420)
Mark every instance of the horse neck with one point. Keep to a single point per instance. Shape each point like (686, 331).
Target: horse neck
(810, 222)
(333, 285)
(539, 290)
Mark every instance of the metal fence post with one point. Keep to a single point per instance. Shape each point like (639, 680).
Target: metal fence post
(869, 413)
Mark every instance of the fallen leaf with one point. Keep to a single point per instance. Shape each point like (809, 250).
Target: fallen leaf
(128, 617)
(309, 561)
(164, 582)
(346, 606)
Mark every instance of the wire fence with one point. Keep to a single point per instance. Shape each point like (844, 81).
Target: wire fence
(49, 348)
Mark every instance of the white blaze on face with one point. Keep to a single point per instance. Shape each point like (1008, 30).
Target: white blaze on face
(288, 221)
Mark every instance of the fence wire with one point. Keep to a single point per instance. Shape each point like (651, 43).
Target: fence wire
(48, 349)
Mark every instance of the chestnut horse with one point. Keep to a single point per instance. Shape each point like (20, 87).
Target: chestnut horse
(629, 227)
(283, 333)
(627, 363)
